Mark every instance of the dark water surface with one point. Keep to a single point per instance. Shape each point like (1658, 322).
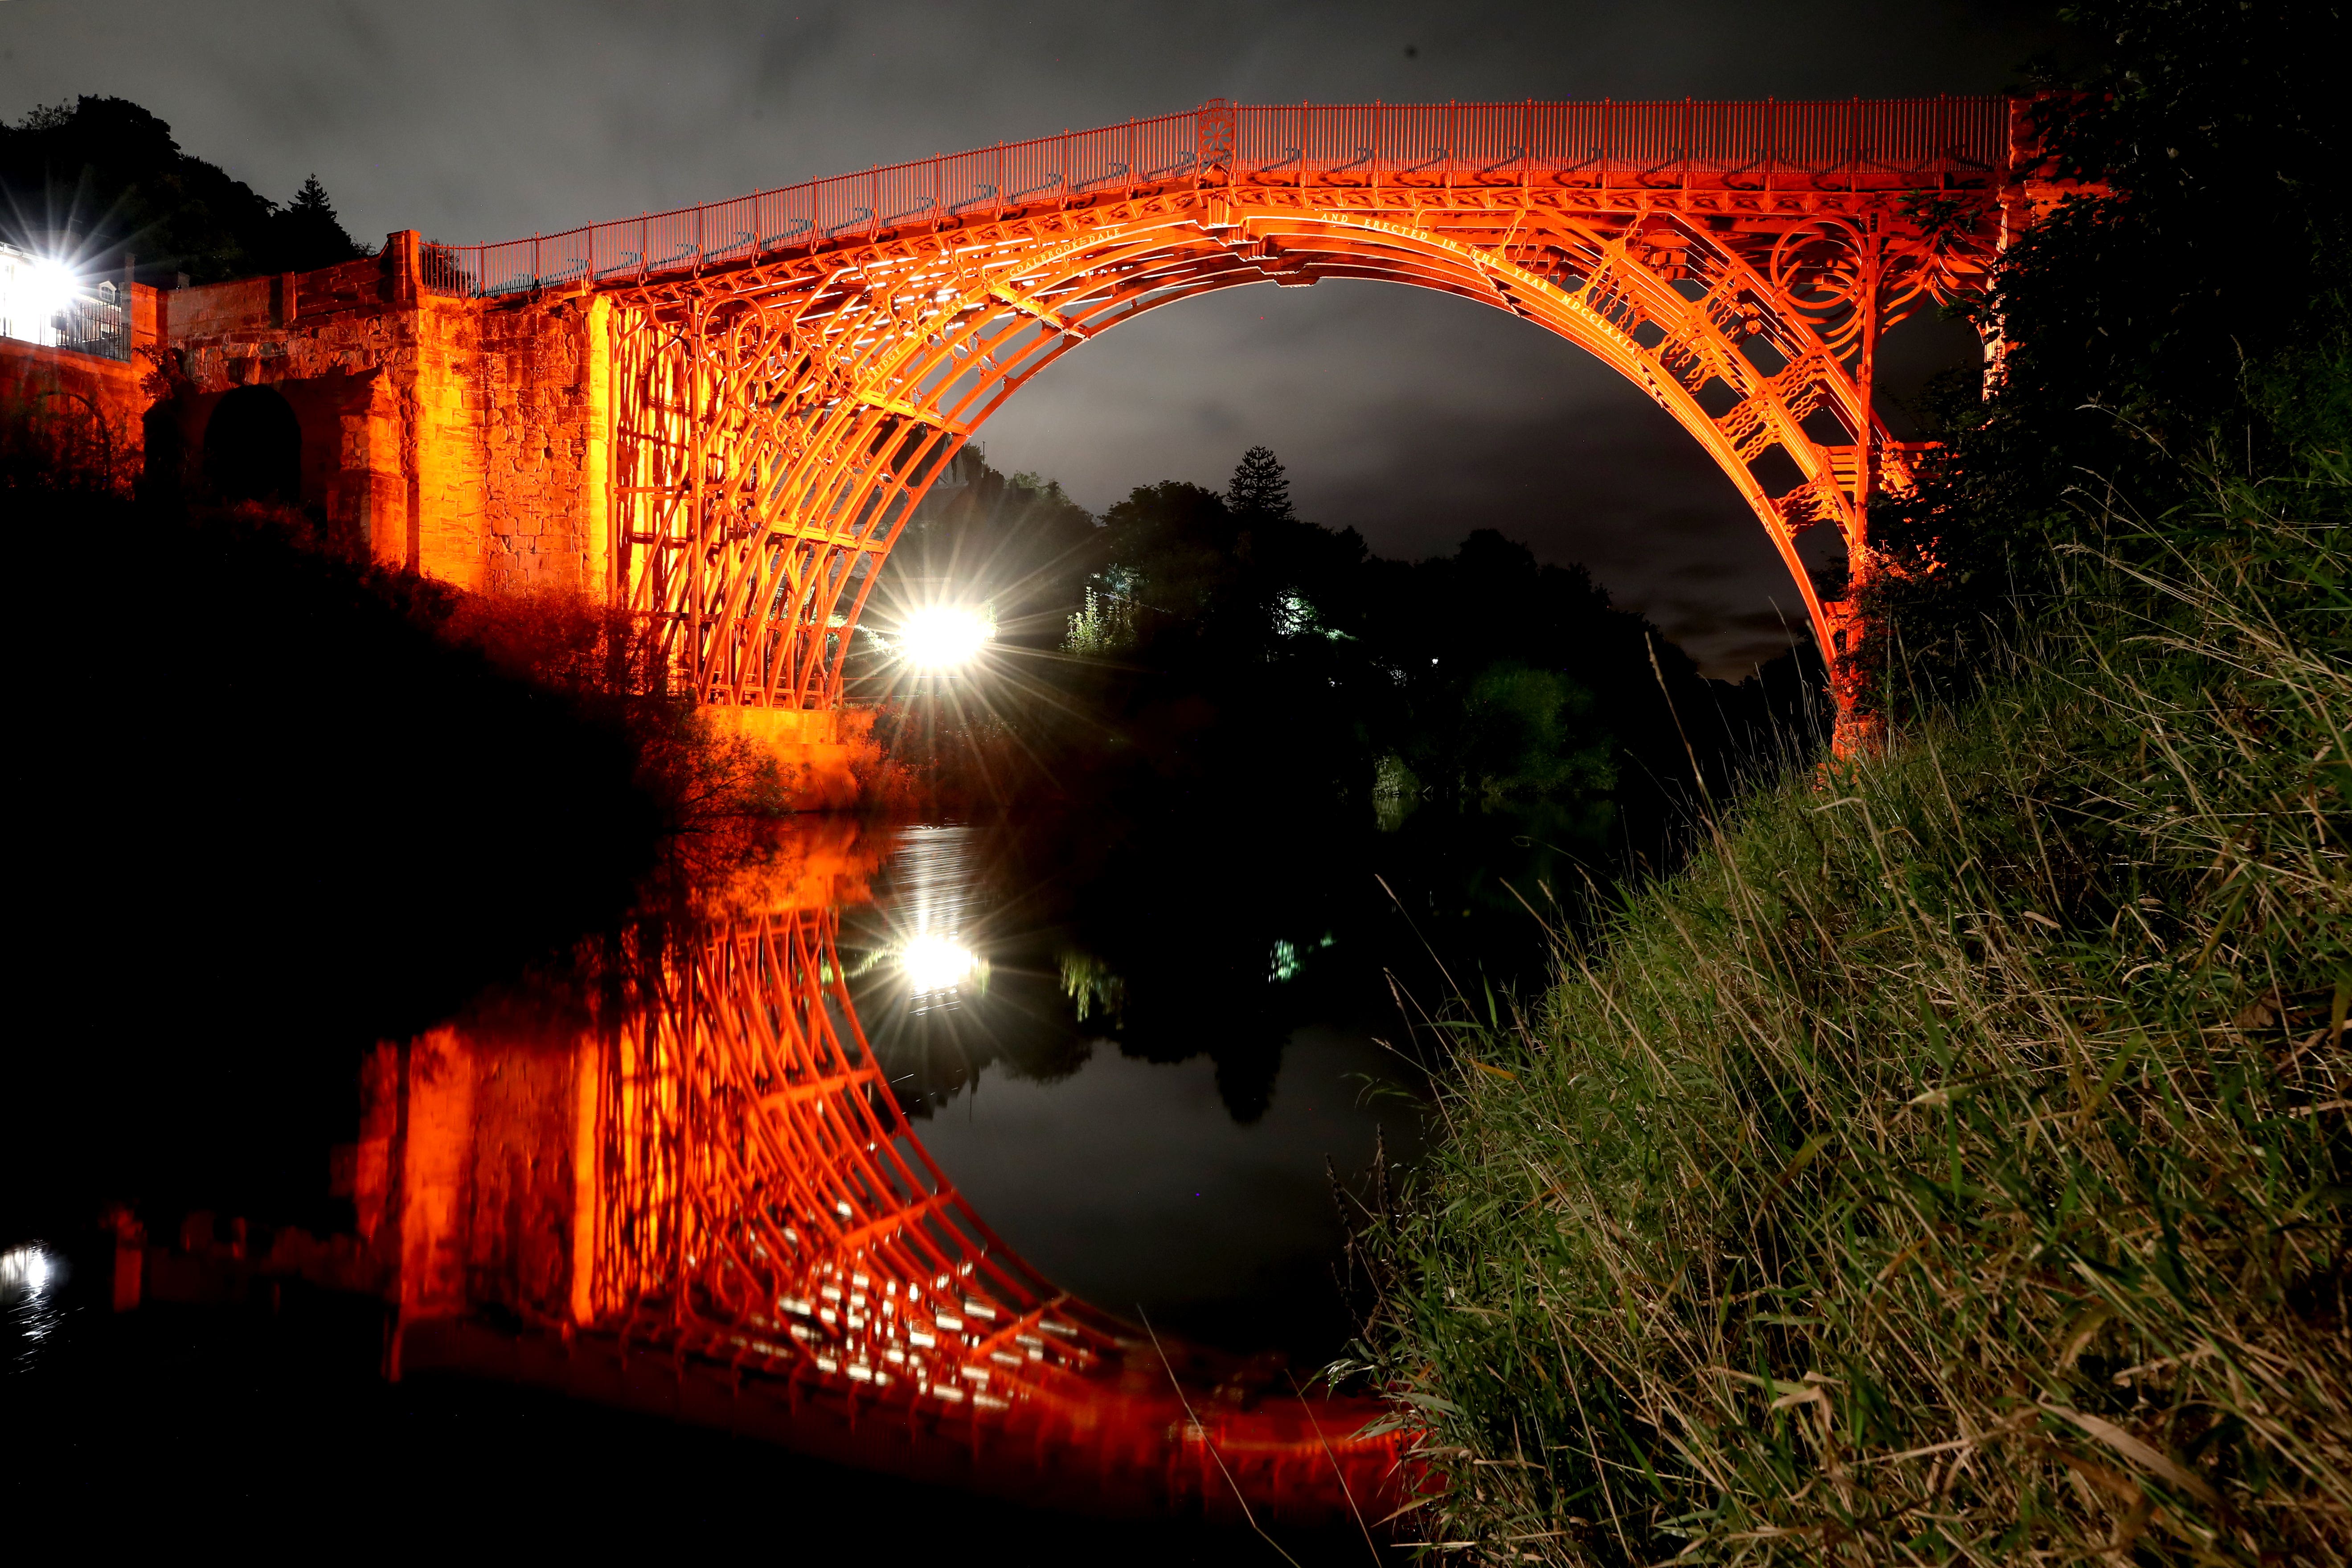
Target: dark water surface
(1138, 1063)
(1147, 1061)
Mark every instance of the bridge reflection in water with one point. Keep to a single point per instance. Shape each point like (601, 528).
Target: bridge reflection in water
(690, 1191)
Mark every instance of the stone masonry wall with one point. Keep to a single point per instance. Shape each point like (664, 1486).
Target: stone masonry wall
(467, 440)
(461, 438)
(512, 447)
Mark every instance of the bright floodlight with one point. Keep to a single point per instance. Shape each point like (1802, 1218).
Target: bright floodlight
(943, 636)
(935, 964)
(25, 1269)
(33, 290)
(49, 283)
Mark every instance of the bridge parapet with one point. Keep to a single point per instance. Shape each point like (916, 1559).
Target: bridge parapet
(1759, 145)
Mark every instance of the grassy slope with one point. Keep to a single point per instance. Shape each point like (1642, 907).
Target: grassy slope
(1952, 1165)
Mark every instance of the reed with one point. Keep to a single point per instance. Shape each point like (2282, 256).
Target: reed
(1951, 1164)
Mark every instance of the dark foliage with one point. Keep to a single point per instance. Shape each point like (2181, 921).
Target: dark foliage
(270, 815)
(1488, 677)
(2054, 988)
(2058, 996)
(103, 177)
(1664, 735)
(2156, 321)
(308, 233)
(1241, 702)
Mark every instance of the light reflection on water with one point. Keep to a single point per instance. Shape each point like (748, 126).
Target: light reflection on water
(1131, 1178)
(928, 919)
(702, 1189)
(30, 1278)
(935, 967)
(883, 1144)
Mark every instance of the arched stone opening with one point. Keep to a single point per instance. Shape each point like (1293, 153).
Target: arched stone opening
(253, 449)
(162, 454)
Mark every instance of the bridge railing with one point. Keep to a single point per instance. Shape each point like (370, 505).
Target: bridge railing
(1837, 145)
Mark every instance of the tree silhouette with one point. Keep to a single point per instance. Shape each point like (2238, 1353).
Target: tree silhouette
(103, 177)
(1260, 490)
(306, 233)
(311, 201)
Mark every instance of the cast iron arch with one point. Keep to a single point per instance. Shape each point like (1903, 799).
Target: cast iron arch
(792, 370)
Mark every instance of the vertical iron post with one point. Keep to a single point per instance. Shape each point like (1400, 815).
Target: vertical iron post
(696, 513)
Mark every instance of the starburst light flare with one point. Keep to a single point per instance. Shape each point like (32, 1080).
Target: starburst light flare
(935, 964)
(943, 636)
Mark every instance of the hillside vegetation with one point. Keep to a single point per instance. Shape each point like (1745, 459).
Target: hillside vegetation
(1953, 1163)
(1950, 1163)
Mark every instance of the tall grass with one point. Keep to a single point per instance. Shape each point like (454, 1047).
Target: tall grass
(1951, 1165)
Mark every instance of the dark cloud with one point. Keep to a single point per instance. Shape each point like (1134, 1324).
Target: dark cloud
(1413, 417)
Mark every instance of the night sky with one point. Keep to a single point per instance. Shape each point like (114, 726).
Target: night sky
(1410, 416)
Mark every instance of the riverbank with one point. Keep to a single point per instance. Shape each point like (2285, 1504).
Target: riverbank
(280, 804)
(155, 1423)
(268, 817)
(1952, 1160)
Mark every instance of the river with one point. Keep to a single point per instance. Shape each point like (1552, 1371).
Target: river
(1011, 1165)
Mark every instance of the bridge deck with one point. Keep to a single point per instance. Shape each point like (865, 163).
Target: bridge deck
(1754, 145)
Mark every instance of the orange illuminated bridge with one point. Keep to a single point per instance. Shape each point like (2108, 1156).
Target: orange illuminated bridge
(790, 370)
(721, 418)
